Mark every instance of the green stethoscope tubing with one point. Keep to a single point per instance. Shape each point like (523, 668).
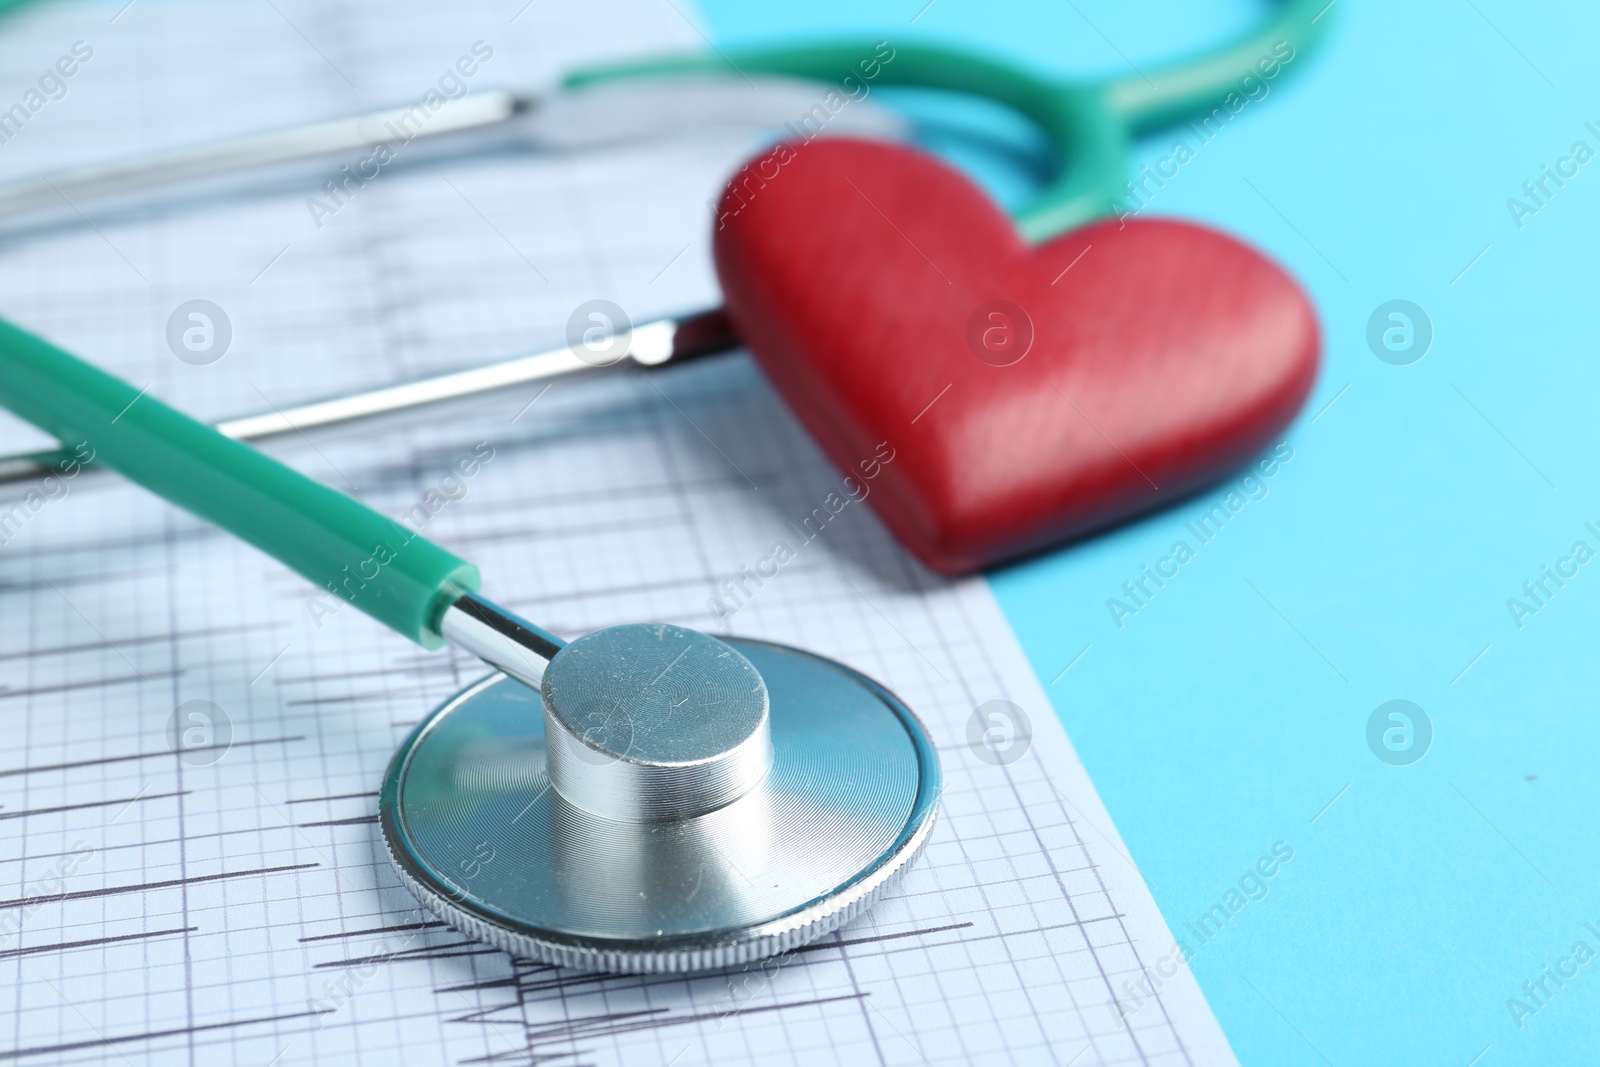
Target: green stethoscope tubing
(405, 581)
(344, 547)
(1092, 125)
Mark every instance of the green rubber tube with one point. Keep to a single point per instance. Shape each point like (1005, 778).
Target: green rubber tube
(375, 563)
(1075, 118)
(1090, 125)
(1196, 85)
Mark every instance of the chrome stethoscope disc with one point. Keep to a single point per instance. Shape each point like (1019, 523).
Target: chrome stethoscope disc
(475, 830)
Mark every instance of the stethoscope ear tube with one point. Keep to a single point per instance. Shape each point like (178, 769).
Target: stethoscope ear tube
(375, 563)
(662, 342)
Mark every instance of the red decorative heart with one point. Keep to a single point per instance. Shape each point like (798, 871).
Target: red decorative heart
(866, 277)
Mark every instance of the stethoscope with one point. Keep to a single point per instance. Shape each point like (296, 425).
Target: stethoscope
(645, 798)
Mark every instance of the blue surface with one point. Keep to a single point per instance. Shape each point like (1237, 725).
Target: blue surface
(1233, 707)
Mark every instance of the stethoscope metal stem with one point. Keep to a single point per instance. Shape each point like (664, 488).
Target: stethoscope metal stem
(500, 638)
(471, 111)
(487, 120)
(652, 344)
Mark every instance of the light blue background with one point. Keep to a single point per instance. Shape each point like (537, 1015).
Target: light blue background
(1233, 708)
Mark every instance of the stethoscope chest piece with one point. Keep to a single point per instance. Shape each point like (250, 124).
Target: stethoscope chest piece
(668, 802)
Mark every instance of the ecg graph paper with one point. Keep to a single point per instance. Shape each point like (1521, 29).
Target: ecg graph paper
(234, 906)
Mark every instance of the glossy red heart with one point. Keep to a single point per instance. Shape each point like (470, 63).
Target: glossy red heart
(879, 290)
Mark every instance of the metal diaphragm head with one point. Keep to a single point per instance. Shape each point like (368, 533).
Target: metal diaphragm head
(617, 820)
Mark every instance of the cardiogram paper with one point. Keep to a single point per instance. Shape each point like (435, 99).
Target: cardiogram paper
(231, 904)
